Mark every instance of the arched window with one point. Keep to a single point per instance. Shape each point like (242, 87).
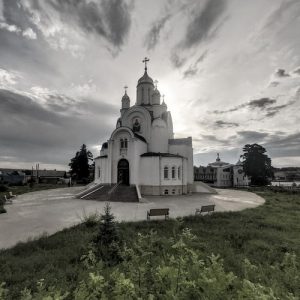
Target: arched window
(149, 95)
(179, 172)
(123, 143)
(166, 192)
(173, 191)
(142, 95)
(99, 172)
(173, 172)
(166, 172)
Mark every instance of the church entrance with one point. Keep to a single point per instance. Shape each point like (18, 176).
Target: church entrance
(123, 171)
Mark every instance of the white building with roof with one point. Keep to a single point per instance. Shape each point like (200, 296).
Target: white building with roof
(142, 150)
(224, 174)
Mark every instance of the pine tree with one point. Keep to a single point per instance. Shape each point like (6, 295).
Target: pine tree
(108, 240)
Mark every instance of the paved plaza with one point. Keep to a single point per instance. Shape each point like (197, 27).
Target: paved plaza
(49, 211)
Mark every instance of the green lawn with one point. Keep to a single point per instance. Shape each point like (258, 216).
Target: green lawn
(263, 236)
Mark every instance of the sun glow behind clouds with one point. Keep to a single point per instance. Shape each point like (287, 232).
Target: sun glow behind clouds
(206, 57)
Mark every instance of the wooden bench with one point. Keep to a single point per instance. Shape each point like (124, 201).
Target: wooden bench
(7, 200)
(11, 195)
(205, 209)
(158, 212)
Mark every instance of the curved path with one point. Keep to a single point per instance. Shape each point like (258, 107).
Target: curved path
(49, 211)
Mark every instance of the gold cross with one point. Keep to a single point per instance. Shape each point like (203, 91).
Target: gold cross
(125, 87)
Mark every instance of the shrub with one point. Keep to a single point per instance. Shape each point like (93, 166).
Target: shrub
(2, 209)
(3, 188)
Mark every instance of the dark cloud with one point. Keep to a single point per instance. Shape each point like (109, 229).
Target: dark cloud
(15, 14)
(274, 110)
(110, 19)
(283, 145)
(281, 73)
(249, 136)
(176, 60)
(262, 103)
(274, 83)
(202, 23)
(211, 138)
(297, 71)
(224, 124)
(279, 13)
(193, 69)
(51, 129)
(153, 35)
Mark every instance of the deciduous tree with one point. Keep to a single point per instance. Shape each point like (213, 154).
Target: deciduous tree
(257, 165)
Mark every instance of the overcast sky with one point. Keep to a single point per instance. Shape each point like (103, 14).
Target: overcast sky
(229, 69)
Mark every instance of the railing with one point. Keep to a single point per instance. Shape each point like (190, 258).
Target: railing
(93, 191)
(114, 188)
(138, 192)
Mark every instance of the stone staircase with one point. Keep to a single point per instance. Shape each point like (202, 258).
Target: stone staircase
(113, 193)
(124, 193)
(100, 194)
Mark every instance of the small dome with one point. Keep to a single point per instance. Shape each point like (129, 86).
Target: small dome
(156, 97)
(156, 92)
(145, 79)
(125, 97)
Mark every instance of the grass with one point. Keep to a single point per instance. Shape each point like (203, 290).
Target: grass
(263, 235)
(18, 190)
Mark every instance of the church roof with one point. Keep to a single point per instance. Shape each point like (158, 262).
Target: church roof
(147, 154)
(145, 79)
(182, 141)
(125, 97)
(140, 137)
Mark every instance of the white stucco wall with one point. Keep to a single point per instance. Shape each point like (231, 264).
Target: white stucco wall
(159, 136)
(239, 177)
(187, 152)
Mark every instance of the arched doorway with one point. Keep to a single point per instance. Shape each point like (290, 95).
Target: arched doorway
(123, 171)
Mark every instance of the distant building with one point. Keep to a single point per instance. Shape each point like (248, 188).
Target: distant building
(240, 179)
(222, 174)
(49, 176)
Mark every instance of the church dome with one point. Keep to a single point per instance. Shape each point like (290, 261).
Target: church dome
(125, 101)
(156, 97)
(145, 79)
(125, 97)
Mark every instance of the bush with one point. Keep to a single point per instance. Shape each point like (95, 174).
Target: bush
(3, 188)
(2, 209)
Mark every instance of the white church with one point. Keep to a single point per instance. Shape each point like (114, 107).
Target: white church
(142, 150)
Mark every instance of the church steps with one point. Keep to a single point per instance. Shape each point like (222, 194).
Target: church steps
(124, 193)
(116, 193)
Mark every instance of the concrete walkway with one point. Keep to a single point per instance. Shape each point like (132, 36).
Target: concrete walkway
(49, 211)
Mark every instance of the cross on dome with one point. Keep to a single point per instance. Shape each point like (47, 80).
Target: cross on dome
(125, 87)
(145, 60)
(156, 82)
